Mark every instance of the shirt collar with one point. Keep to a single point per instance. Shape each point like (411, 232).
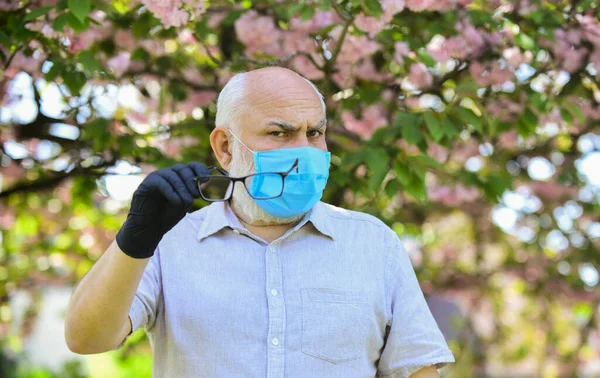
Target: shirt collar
(219, 216)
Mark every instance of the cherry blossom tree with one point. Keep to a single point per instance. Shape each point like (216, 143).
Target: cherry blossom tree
(469, 126)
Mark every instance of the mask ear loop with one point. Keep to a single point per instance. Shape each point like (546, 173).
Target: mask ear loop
(238, 139)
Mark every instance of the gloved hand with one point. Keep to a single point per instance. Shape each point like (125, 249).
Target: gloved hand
(158, 204)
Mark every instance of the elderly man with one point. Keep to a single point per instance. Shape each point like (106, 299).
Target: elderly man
(266, 280)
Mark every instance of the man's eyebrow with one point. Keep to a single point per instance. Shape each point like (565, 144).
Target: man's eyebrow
(286, 126)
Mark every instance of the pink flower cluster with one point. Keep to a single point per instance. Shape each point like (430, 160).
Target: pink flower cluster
(452, 196)
(435, 5)
(567, 51)
(490, 73)
(172, 12)
(373, 118)
(258, 33)
(419, 76)
(504, 109)
(374, 25)
(469, 43)
(551, 190)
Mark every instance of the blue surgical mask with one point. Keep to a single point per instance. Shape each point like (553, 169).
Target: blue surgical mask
(303, 187)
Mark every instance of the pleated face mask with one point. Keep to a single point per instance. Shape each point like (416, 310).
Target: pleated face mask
(302, 187)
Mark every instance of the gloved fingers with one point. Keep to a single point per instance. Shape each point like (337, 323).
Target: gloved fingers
(164, 187)
(199, 169)
(187, 176)
(178, 186)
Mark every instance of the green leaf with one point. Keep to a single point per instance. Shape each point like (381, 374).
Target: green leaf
(53, 72)
(524, 41)
(403, 174)
(427, 59)
(374, 7)
(89, 61)
(98, 133)
(433, 125)
(470, 118)
(450, 129)
(77, 25)
(378, 162)
(74, 81)
(575, 110)
(392, 188)
(426, 160)
(568, 117)
(80, 8)
(59, 22)
(325, 5)
(37, 13)
(307, 13)
(233, 16)
(412, 133)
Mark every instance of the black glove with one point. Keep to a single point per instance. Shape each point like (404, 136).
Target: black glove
(158, 204)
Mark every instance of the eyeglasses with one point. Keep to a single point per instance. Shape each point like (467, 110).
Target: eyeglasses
(260, 186)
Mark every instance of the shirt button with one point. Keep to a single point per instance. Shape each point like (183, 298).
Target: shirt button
(275, 341)
(274, 291)
(237, 232)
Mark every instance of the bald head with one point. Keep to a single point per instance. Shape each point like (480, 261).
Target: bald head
(276, 86)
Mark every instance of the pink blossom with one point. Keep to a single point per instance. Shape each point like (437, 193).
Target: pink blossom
(401, 50)
(515, 58)
(154, 46)
(463, 150)
(590, 29)
(409, 149)
(374, 25)
(442, 5)
(293, 41)
(354, 47)
(83, 40)
(550, 190)
(172, 147)
(470, 43)
(196, 100)
(490, 74)
(505, 109)
(574, 59)
(419, 5)
(373, 117)
(319, 21)
(439, 153)
(508, 139)
(344, 76)
(215, 19)
(8, 5)
(566, 49)
(419, 76)
(124, 40)
(595, 59)
(170, 12)
(366, 70)
(452, 196)
(305, 67)
(258, 33)
(120, 63)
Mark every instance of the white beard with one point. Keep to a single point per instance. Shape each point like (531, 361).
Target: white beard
(244, 205)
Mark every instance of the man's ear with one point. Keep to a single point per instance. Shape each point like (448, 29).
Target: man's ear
(219, 142)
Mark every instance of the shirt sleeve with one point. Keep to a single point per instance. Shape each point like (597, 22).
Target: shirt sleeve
(414, 340)
(145, 302)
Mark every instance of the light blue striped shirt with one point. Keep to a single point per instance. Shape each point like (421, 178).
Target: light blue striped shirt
(336, 296)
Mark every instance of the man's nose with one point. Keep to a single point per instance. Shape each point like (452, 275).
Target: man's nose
(300, 141)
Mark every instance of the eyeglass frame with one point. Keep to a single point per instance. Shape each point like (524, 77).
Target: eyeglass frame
(206, 178)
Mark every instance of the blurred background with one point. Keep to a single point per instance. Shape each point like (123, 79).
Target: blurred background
(469, 126)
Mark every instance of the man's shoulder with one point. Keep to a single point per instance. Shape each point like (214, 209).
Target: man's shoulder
(344, 216)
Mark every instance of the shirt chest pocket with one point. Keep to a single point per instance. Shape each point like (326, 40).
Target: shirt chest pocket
(334, 324)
